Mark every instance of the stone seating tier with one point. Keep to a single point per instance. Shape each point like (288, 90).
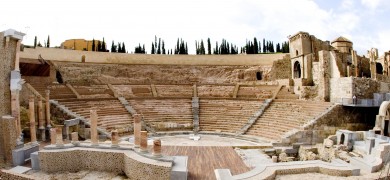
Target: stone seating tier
(226, 115)
(260, 92)
(284, 115)
(159, 111)
(174, 90)
(111, 113)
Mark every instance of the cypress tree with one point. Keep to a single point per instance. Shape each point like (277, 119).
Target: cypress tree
(104, 46)
(163, 47)
(202, 49)
(264, 46)
(99, 46)
(255, 46)
(113, 47)
(123, 48)
(159, 46)
(153, 50)
(35, 42)
(208, 46)
(48, 42)
(93, 44)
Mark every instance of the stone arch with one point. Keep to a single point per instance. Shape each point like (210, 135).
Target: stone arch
(379, 68)
(297, 70)
(383, 119)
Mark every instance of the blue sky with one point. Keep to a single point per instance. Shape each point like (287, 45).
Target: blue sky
(365, 22)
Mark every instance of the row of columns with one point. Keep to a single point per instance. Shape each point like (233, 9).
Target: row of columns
(41, 117)
(140, 137)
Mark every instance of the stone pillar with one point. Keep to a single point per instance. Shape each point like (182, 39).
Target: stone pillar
(33, 133)
(274, 159)
(94, 133)
(144, 141)
(41, 119)
(8, 138)
(59, 140)
(137, 130)
(349, 71)
(75, 138)
(157, 147)
(15, 110)
(53, 136)
(66, 132)
(114, 138)
(17, 55)
(48, 122)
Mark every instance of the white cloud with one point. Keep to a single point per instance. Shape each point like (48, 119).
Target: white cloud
(372, 4)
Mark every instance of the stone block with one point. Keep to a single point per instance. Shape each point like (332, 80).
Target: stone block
(179, 168)
(328, 143)
(35, 161)
(20, 169)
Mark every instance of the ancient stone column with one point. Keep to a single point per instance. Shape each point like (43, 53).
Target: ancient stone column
(41, 119)
(144, 141)
(53, 136)
(48, 123)
(33, 133)
(59, 140)
(137, 130)
(114, 138)
(157, 147)
(75, 138)
(94, 133)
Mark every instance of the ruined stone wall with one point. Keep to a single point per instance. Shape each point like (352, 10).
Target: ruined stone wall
(117, 161)
(79, 73)
(281, 69)
(56, 55)
(340, 88)
(338, 117)
(365, 88)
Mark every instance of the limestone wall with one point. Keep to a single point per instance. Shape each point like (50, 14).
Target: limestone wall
(55, 54)
(281, 69)
(79, 73)
(117, 161)
(340, 88)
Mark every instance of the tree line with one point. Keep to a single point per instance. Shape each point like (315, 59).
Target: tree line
(181, 47)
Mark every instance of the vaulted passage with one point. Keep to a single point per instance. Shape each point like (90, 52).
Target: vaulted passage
(379, 68)
(297, 70)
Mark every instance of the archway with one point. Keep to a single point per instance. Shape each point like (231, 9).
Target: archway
(342, 138)
(59, 77)
(379, 68)
(259, 75)
(383, 118)
(297, 70)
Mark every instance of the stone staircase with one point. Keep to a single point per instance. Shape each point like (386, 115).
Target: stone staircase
(131, 110)
(253, 118)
